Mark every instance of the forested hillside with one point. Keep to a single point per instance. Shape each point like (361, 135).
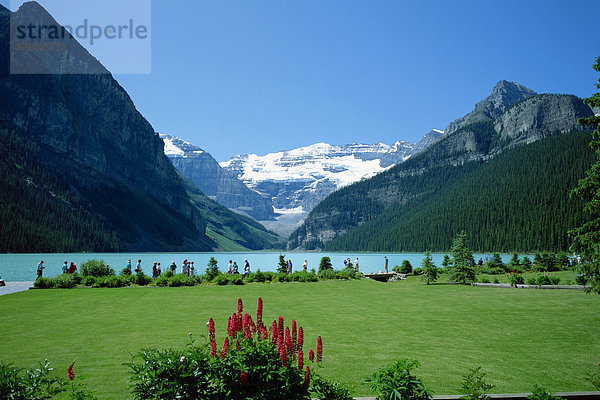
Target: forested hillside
(37, 213)
(517, 201)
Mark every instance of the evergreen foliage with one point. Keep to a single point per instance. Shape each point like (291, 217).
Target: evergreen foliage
(325, 264)
(463, 264)
(503, 202)
(37, 211)
(586, 237)
(429, 269)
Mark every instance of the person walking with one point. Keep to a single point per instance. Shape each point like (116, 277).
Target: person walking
(356, 265)
(40, 269)
(173, 266)
(289, 267)
(246, 267)
(138, 267)
(305, 266)
(65, 267)
(230, 267)
(386, 265)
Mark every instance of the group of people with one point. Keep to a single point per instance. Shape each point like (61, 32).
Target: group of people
(348, 264)
(187, 268)
(66, 268)
(232, 268)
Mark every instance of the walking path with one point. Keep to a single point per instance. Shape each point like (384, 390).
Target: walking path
(14, 287)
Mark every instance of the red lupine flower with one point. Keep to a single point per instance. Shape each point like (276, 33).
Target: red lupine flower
(225, 348)
(274, 333)
(319, 350)
(259, 311)
(211, 329)
(280, 330)
(300, 337)
(300, 359)
(311, 355)
(294, 336)
(307, 377)
(243, 377)
(246, 321)
(265, 334)
(70, 373)
(283, 356)
(247, 333)
(213, 348)
(230, 327)
(288, 341)
(240, 306)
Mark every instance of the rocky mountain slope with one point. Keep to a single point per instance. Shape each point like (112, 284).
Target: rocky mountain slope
(102, 153)
(217, 183)
(503, 96)
(345, 212)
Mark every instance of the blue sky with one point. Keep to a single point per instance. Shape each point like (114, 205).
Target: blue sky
(261, 76)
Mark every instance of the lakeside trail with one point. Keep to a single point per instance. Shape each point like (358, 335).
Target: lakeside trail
(14, 287)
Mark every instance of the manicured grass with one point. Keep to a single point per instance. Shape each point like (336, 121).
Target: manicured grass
(521, 337)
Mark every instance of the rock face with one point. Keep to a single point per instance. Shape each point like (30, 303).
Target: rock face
(93, 137)
(217, 183)
(503, 95)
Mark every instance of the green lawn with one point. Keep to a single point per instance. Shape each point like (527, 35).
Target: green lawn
(521, 337)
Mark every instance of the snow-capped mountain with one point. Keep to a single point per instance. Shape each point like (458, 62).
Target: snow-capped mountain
(217, 183)
(297, 180)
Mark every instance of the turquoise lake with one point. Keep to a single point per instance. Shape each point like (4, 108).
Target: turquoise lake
(22, 267)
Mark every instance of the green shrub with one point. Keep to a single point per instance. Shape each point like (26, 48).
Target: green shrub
(484, 280)
(283, 277)
(325, 264)
(418, 271)
(547, 280)
(406, 267)
(96, 268)
(33, 384)
(541, 394)
(125, 271)
(496, 280)
(516, 279)
(43, 283)
(168, 274)
(257, 277)
(64, 281)
(141, 279)
(497, 271)
(162, 281)
(327, 274)
(89, 280)
(111, 282)
(327, 389)
(397, 382)
(221, 280)
(236, 279)
(270, 276)
(531, 281)
(304, 276)
(474, 387)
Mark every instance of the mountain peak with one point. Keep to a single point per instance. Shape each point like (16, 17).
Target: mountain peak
(504, 94)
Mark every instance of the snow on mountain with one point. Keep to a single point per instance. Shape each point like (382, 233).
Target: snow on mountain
(299, 179)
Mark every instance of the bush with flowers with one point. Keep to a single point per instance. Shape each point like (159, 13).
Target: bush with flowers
(254, 361)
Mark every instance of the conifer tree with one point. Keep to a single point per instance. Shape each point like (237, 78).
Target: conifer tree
(463, 264)
(586, 238)
(429, 269)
